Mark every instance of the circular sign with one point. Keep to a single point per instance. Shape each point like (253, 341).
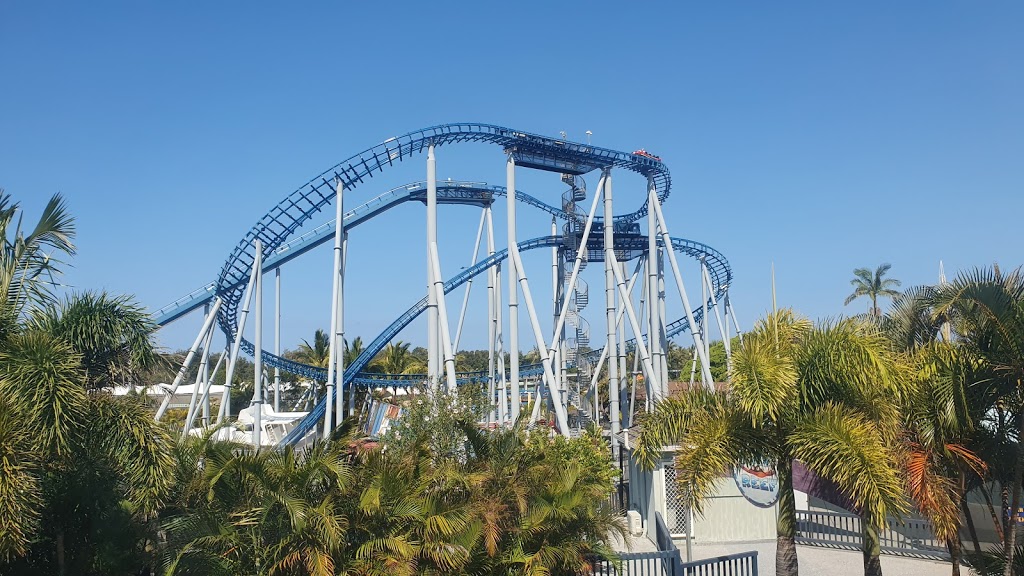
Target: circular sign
(758, 483)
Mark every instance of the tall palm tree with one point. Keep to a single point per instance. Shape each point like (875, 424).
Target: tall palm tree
(820, 395)
(988, 308)
(30, 261)
(83, 471)
(317, 353)
(943, 416)
(873, 285)
(396, 358)
(92, 456)
(352, 351)
(28, 268)
(112, 333)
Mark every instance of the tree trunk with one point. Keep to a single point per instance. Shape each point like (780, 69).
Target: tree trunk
(996, 522)
(872, 549)
(970, 524)
(1004, 497)
(61, 565)
(785, 545)
(1009, 544)
(955, 553)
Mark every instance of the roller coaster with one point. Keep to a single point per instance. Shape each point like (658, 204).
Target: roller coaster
(564, 348)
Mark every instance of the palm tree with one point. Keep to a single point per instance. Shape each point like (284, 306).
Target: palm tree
(112, 333)
(317, 353)
(244, 512)
(30, 261)
(943, 416)
(74, 459)
(872, 286)
(352, 352)
(988, 308)
(396, 358)
(821, 395)
(92, 456)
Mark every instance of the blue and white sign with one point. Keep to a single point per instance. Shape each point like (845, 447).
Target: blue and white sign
(759, 484)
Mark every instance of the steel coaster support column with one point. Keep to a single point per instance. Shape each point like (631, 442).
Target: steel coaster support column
(433, 362)
(206, 377)
(257, 396)
(563, 296)
(442, 312)
(693, 368)
(339, 371)
(653, 321)
(581, 254)
(610, 309)
(728, 349)
(206, 391)
(621, 329)
(469, 283)
(705, 332)
(641, 348)
(538, 334)
(277, 337)
(199, 384)
(714, 306)
(636, 360)
(513, 288)
(663, 322)
(332, 349)
(207, 326)
(492, 324)
(341, 322)
(593, 384)
(499, 345)
(225, 402)
(556, 301)
(732, 312)
(667, 242)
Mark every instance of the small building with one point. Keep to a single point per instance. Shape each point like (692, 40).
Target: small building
(729, 516)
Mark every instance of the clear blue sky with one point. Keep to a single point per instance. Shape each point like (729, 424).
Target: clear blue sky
(822, 136)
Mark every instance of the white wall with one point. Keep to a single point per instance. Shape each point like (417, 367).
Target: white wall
(729, 517)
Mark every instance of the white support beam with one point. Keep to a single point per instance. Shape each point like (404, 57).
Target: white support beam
(549, 376)
(207, 327)
(332, 349)
(442, 312)
(513, 288)
(697, 342)
(277, 337)
(257, 387)
(433, 357)
(469, 284)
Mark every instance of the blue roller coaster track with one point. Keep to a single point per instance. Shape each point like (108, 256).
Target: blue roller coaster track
(283, 220)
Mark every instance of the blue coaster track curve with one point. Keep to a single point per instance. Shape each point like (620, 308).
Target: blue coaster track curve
(284, 219)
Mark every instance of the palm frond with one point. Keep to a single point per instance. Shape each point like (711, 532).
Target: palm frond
(846, 448)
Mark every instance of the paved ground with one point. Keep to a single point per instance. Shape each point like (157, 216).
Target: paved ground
(814, 561)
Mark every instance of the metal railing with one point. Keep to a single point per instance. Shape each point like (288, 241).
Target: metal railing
(909, 537)
(618, 498)
(668, 563)
(662, 536)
